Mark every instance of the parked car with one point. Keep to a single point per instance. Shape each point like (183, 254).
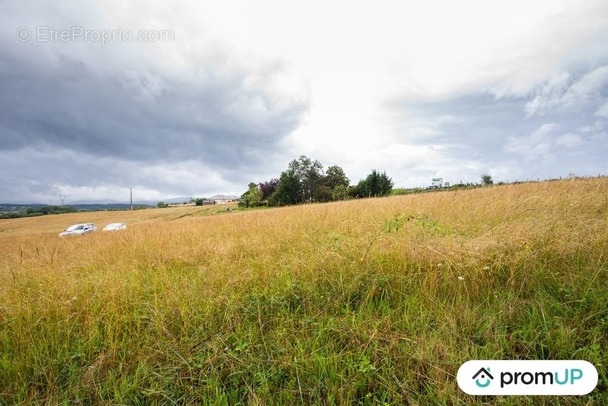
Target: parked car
(115, 226)
(79, 229)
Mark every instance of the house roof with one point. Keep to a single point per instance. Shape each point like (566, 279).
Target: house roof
(483, 371)
(223, 197)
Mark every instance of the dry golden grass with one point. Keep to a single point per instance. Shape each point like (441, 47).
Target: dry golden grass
(57, 223)
(376, 300)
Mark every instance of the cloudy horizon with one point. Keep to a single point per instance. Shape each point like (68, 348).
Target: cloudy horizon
(200, 99)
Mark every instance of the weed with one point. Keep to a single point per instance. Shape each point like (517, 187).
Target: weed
(376, 301)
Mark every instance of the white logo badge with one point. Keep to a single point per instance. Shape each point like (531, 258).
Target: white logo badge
(487, 377)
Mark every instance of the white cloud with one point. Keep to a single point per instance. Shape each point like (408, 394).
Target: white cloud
(602, 111)
(569, 140)
(536, 145)
(579, 152)
(597, 125)
(550, 94)
(414, 88)
(559, 93)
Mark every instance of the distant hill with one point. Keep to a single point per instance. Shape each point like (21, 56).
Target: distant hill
(108, 206)
(95, 205)
(7, 207)
(14, 207)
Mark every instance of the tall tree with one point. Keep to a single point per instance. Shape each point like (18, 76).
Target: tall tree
(375, 184)
(252, 197)
(486, 180)
(335, 176)
(268, 188)
(309, 173)
(340, 192)
(288, 190)
(305, 181)
(385, 185)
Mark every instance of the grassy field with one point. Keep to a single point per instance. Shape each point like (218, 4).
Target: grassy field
(375, 301)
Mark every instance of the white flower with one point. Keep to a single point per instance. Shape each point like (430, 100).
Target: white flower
(461, 278)
(486, 268)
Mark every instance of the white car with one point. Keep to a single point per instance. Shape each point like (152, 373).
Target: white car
(115, 226)
(79, 229)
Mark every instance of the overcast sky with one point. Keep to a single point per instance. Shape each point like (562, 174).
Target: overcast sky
(187, 98)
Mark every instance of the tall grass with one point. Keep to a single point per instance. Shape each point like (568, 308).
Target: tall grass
(377, 301)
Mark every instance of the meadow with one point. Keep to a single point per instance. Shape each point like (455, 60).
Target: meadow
(373, 301)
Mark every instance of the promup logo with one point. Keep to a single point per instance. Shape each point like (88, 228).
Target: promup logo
(487, 377)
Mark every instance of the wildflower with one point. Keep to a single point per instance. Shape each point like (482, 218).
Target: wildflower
(486, 268)
(461, 278)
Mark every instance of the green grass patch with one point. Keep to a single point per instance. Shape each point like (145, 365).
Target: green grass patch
(370, 302)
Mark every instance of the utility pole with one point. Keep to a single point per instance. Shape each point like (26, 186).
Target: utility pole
(131, 195)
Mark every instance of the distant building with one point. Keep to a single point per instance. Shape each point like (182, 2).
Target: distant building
(220, 199)
(183, 204)
(437, 182)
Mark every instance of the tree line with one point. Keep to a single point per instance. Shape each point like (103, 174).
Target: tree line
(305, 181)
(42, 211)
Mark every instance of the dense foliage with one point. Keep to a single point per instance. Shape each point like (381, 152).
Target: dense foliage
(305, 181)
(32, 212)
(376, 184)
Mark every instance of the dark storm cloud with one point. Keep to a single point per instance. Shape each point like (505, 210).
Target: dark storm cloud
(138, 113)
(229, 99)
(84, 119)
